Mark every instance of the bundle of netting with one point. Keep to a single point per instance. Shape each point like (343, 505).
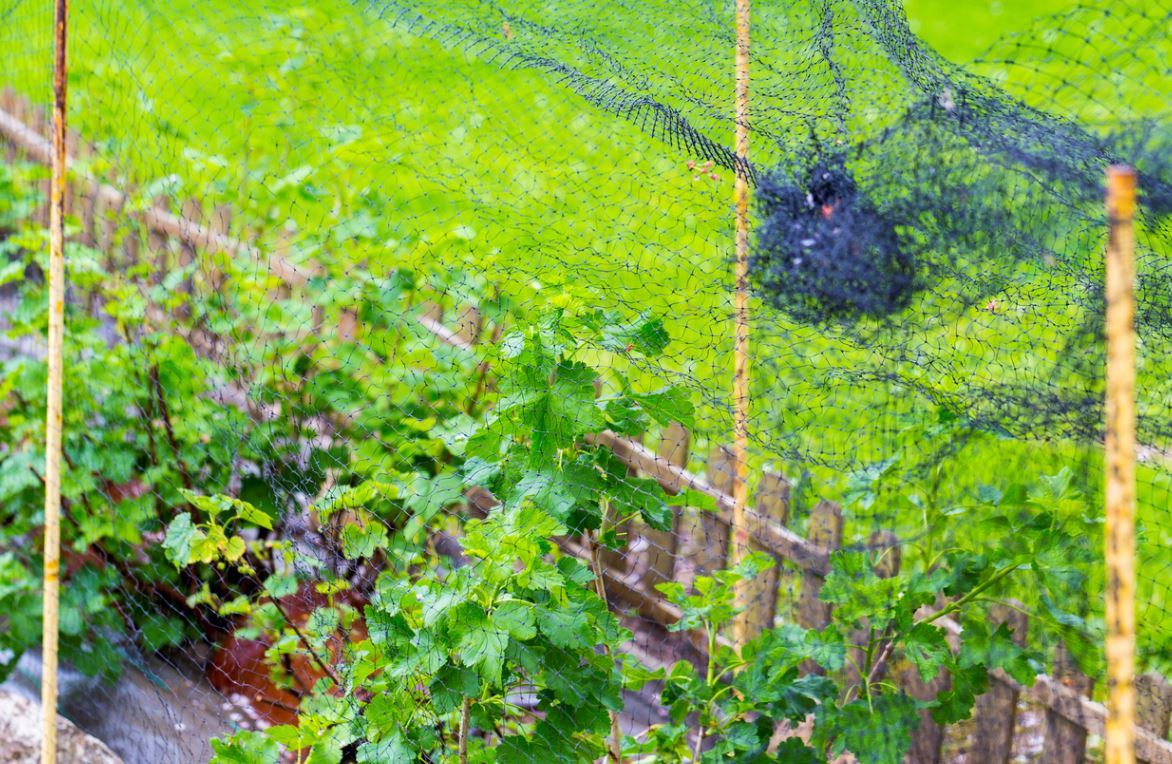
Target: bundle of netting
(823, 251)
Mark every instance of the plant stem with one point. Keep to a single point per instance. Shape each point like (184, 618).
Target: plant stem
(157, 386)
(305, 641)
(615, 752)
(709, 679)
(958, 604)
(465, 714)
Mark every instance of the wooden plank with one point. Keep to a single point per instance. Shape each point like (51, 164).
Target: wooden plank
(927, 740)
(468, 325)
(661, 546)
(619, 561)
(706, 534)
(824, 531)
(760, 593)
(159, 244)
(1153, 696)
(995, 713)
(219, 228)
(777, 539)
(88, 217)
(1066, 729)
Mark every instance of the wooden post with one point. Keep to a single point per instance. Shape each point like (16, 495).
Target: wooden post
(1153, 704)
(468, 324)
(158, 243)
(619, 561)
(1065, 741)
(711, 534)
(1120, 457)
(220, 227)
(53, 419)
(823, 529)
(760, 594)
(927, 740)
(740, 470)
(996, 711)
(674, 443)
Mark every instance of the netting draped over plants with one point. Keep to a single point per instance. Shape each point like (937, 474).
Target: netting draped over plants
(399, 335)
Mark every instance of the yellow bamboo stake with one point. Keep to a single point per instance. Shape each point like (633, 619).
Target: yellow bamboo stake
(1120, 456)
(740, 530)
(53, 395)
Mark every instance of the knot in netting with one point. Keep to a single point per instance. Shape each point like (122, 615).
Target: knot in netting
(824, 251)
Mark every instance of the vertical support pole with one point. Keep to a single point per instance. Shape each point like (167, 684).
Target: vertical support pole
(740, 530)
(53, 395)
(1120, 455)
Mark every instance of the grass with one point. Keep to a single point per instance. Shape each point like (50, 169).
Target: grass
(382, 148)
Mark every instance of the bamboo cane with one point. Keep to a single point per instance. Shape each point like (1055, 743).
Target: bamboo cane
(740, 532)
(53, 394)
(1120, 457)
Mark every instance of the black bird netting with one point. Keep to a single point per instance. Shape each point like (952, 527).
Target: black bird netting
(399, 394)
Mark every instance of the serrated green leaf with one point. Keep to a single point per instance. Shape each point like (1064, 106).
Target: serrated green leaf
(178, 540)
(363, 541)
(484, 648)
(927, 648)
(246, 747)
(517, 618)
(668, 405)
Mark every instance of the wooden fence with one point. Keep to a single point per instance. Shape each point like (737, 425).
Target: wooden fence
(698, 541)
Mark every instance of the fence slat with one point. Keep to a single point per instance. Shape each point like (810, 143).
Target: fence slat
(1066, 741)
(469, 324)
(619, 561)
(1153, 704)
(824, 529)
(996, 711)
(928, 739)
(710, 534)
(662, 546)
(159, 244)
(219, 227)
(760, 594)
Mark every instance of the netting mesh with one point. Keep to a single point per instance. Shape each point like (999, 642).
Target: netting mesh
(400, 366)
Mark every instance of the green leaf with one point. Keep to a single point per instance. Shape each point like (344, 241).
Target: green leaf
(251, 514)
(646, 334)
(927, 648)
(793, 751)
(180, 536)
(643, 497)
(624, 416)
(877, 732)
(450, 686)
(363, 541)
(484, 647)
(17, 472)
(281, 585)
(159, 631)
(213, 506)
(393, 750)
(668, 405)
(567, 628)
(694, 499)
(246, 747)
(956, 703)
(234, 549)
(517, 618)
